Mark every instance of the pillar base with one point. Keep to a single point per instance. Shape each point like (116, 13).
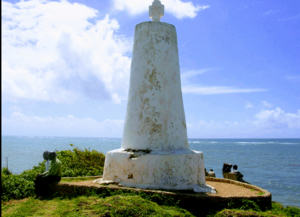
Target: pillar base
(156, 169)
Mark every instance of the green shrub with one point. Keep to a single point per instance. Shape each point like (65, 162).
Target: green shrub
(15, 186)
(292, 211)
(81, 163)
(74, 163)
(6, 171)
(243, 204)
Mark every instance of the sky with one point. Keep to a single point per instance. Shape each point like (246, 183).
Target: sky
(66, 66)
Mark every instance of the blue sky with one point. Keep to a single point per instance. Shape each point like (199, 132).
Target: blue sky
(66, 66)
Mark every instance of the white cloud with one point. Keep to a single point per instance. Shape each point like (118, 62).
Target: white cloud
(191, 73)
(51, 52)
(293, 78)
(15, 108)
(248, 105)
(217, 90)
(267, 123)
(291, 18)
(61, 126)
(278, 119)
(180, 9)
(266, 104)
(270, 12)
(189, 86)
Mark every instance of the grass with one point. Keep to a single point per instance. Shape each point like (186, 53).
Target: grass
(123, 203)
(277, 210)
(119, 205)
(261, 193)
(64, 180)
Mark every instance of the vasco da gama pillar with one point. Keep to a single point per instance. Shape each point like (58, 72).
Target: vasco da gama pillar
(154, 153)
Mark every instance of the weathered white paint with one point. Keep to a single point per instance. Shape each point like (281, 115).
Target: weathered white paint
(155, 116)
(155, 120)
(169, 170)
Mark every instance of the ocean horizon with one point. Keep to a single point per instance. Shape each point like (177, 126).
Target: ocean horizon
(270, 163)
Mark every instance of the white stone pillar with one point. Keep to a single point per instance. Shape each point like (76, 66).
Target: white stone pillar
(154, 153)
(155, 116)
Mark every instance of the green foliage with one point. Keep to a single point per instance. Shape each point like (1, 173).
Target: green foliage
(292, 211)
(239, 213)
(6, 171)
(19, 186)
(81, 163)
(243, 204)
(277, 210)
(15, 187)
(74, 163)
(160, 199)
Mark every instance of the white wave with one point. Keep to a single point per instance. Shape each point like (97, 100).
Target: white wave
(289, 143)
(255, 143)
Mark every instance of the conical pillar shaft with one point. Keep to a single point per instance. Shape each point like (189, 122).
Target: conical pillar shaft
(155, 115)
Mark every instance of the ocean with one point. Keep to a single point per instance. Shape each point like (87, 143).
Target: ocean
(272, 164)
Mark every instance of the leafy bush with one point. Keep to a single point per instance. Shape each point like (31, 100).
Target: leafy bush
(15, 186)
(6, 171)
(19, 186)
(292, 211)
(243, 204)
(74, 163)
(81, 163)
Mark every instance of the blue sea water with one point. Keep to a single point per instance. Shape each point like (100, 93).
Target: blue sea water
(272, 164)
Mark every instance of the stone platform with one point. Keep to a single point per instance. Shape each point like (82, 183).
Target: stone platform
(166, 170)
(197, 203)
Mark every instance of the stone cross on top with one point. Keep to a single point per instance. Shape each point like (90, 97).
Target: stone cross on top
(156, 11)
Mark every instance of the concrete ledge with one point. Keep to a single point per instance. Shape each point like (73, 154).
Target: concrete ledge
(246, 185)
(197, 203)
